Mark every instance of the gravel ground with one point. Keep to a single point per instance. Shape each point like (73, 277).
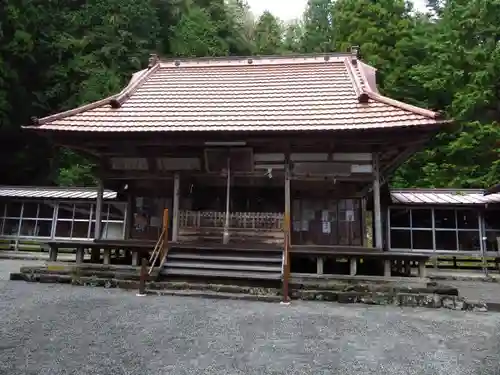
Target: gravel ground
(477, 291)
(8, 265)
(60, 329)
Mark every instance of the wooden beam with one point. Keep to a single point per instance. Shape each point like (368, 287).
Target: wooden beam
(225, 236)
(98, 210)
(376, 202)
(287, 234)
(175, 211)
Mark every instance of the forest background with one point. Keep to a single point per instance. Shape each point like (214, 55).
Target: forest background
(58, 54)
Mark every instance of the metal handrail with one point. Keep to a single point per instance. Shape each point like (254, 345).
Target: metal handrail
(161, 248)
(156, 251)
(155, 248)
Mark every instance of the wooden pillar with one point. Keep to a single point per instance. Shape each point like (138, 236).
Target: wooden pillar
(53, 253)
(129, 218)
(135, 258)
(387, 268)
(353, 269)
(482, 243)
(422, 272)
(286, 251)
(98, 210)
(95, 255)
(320, 262)
(107, 256)
(376, 202)
(80, 252)
(175, 207)
(364, 236)
(225, 236)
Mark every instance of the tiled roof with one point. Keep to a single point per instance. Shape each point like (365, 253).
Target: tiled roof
(442, 197)
(333, 92)
(52, 192)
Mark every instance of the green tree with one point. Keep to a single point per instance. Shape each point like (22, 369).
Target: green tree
(319, 31)
(294, 34)
(196, 35)
(268, 35)
(461, 72)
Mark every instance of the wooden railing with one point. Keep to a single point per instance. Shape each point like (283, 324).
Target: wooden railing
(237, 220)
(160, 250)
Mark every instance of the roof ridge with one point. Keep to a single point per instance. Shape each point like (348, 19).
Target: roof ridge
(357, 84)
(29, 187)
(115, 100)
(74, 111)
(365, 92)
(118, 100)
(439, 190)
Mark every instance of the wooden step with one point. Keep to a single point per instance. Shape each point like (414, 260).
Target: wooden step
(227, 247)
(242, 267)
(219, 273)
(236, 258)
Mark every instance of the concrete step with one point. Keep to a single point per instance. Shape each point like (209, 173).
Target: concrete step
(221, 273)
(226, 258)
(242, 267)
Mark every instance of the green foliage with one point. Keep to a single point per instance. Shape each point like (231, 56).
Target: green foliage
(268, 35)
(56, 55)
(319, 31)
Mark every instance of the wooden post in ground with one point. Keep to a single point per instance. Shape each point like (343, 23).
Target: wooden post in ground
(143, 277)
(165, 234)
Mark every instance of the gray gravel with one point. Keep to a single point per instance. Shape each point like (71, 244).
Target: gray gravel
(9, 265)
(59, 329)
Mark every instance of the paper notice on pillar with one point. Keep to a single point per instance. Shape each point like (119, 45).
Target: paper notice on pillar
(155, 222)
(327, 227)
(305, 226)
(349, 215)
(324, 215)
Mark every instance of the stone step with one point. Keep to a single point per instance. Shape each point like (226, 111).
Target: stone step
(221, 273)
(226, 258)
(212, 266)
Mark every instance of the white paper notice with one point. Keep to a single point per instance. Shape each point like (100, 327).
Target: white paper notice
(349, 215)
(305, 226)
(327, 227)
(324, 215)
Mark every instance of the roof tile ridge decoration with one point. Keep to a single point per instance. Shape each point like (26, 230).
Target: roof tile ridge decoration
(357, 84)
(259, 60)
(116, 100)
(364, 91)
